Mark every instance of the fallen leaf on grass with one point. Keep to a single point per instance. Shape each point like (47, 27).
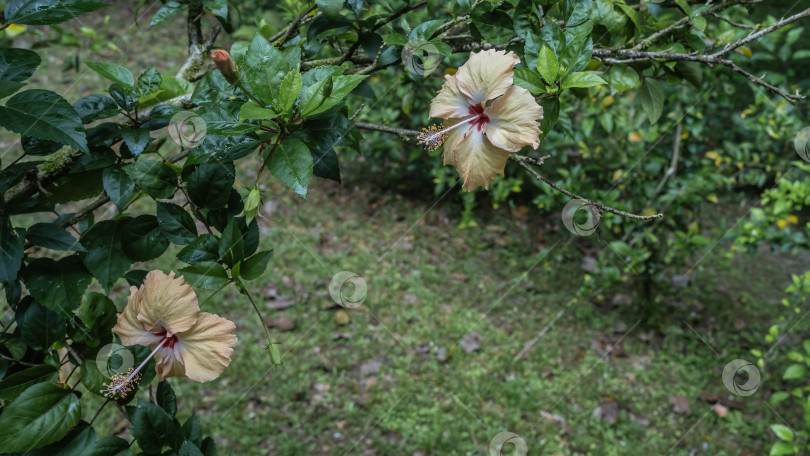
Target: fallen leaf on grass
(680, 405)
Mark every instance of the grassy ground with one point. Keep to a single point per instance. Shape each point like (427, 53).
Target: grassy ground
(393, 376)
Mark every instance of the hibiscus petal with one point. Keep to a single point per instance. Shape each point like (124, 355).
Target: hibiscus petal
(129, 328)
(486, 75)
(167, 365)
(451, 140)
(513, 120)
(450, 102)
(205, 349)
(167, 303)
(475, 158)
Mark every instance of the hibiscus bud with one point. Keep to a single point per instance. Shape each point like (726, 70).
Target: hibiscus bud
(226, 66)
(252, 204)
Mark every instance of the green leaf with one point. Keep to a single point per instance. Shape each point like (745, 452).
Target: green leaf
(58, 285)
(114, 72)
(529, 80)
(52, 236)
(13, 385)
(794, 371)
(575, 12)
(217, 7)
(652, 99)
(330, 8)
(551, 112)
(176, 223)
(208, 276)
(341, 86)
(322, 135)
(44, 115)
(98, 314)
(16, 66)
(149, 81)
(223, 119)
(204, 248)
(253, 267)
(547, 64)
(209, 186)
(222, 149)
(143, 239)
(166, 12)
(12, 242)
(264, 67)
(136, 139)
(170, 87)
(153, 428)
(165, 398)
(782, 432)
(292, 164)
(231, 244)
(192, 430)
(188, 449)
(105, 258)
(582, 79)
(623, 77)
(94, 107)
(42, 414)
(39, 326)
(252, 111)
(288, 92)
(781, 448)
(118, 185)
(153, 177)
(47, 12)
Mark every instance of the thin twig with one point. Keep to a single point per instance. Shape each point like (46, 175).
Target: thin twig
(735, 24)
(526, 165)
(287, 32)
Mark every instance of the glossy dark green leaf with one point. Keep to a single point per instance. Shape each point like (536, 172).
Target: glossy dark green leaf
(58, 285)
(39, 326)
(209, 276)
(77, 442)
(135, 277)
(16, 66)
(322, 135)
(14, 384)
(153, 428)
(44, 115)
(204, 248)
(106, 258)
(95, 107)
(209, 186)
(231, 244)
(41, 415)
(250, 233)
(292, 164)
(223, 119)
(192, 429)
(253, 267)
(188, 449)
(118, 185)
(149, 81)
(495, 26)
(153, 177)
(124, 96)
(217, 7)
(176, 223)
(143, 238)
(166, 398)
(98, 314)
(136, 139)
(166, 12)
(222, 149)
(114, 72)
(52, 236)
(39, 147)
(264, 67)
(47, 12)
(12, 241)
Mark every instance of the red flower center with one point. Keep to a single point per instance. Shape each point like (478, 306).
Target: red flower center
(167, 342)
(481, 119)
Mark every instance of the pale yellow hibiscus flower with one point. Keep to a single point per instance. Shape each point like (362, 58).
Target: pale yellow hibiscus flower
(164, 315)
(485, 117)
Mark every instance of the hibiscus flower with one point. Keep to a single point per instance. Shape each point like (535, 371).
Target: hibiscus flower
(164, 315)
(485, 117)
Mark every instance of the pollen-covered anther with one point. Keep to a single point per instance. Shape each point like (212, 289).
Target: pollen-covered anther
(431, 137)
(121, 385)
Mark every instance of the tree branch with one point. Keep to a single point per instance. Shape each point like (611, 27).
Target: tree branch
(287, 32)
(525, 163)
